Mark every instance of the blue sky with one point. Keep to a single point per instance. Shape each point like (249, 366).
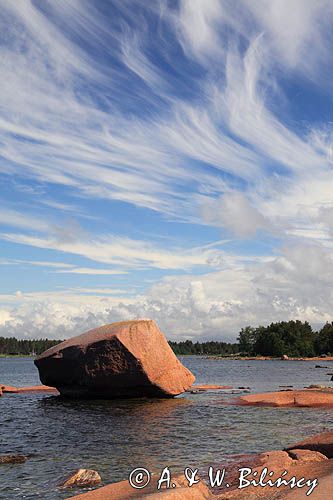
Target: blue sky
(165, 159)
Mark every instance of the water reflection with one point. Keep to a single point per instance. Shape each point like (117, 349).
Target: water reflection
(145, 409)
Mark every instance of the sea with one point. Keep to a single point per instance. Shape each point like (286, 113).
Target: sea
(114, 437)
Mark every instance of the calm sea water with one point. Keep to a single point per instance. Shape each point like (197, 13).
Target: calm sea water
(116, 436)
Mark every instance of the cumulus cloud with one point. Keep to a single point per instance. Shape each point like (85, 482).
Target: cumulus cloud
(293, 285)
(234, 212)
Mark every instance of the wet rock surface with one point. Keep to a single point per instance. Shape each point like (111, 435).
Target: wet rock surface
(81, 478)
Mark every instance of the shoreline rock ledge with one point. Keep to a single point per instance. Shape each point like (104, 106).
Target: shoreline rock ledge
(129, 359)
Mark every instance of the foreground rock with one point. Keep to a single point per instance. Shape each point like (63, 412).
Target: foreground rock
(322, 443)
(12, 459)
(306, 455)
(81, 478)
(127, 359)
(300, 460)
(124, 491)
(302, 398)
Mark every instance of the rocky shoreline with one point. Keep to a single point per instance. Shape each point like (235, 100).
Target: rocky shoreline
(310, 462)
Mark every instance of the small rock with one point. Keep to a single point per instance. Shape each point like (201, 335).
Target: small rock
(244, 387)
(8, 388)
(206, 387)
(320, 366)
(81, 477)
(285, 357)
(12, 459)
(316, 386)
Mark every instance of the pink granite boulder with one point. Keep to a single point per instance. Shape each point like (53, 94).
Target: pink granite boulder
(120, 360)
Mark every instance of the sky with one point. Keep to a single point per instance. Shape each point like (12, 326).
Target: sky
(167, 159)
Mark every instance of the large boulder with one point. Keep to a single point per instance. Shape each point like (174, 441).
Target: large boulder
(127, 359)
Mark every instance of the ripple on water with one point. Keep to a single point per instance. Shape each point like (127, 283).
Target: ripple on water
(117, 436)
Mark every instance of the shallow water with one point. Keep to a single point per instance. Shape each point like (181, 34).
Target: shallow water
(116, 436)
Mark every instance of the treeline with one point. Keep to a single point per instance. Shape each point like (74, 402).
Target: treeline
(291, 338)
(210, 348)
(13, 346)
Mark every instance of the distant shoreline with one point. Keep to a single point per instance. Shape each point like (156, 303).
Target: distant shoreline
(213, 356)
(17, 356)
(268, 358)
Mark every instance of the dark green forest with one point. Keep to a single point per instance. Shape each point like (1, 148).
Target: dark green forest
(291, 338)
(210, 348)
(13, 346)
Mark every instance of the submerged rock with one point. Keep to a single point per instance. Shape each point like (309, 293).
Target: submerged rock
(127, 359)
(316, 386)
(82, 478)
(12, 459)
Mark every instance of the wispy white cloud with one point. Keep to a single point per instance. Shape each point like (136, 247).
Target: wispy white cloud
(92, 271)
(14, 218)
(62, 267)
(124, 252)
(38, 263)
(188, 116)
(140, 160)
